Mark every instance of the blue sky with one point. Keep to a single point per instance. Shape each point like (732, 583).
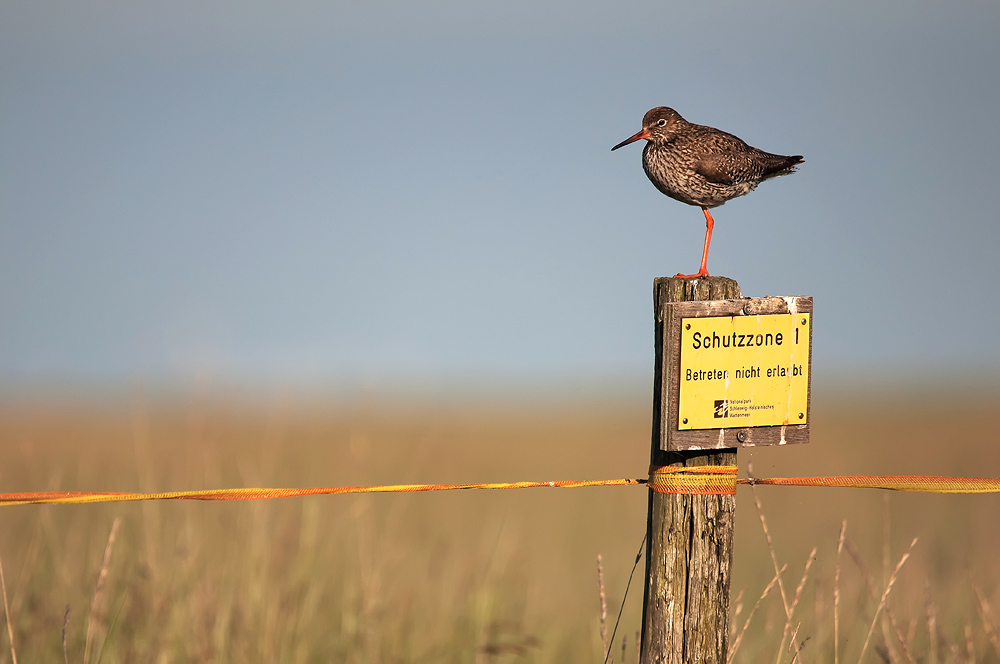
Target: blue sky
(355, 191)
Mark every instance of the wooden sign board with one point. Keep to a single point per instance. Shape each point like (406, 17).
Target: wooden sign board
(737, 372)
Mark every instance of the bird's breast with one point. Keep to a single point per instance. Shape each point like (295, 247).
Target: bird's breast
(672, 171)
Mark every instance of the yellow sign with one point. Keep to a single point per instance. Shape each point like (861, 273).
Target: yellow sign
(744, 371)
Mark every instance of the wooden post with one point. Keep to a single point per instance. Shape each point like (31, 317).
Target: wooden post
(689, 545)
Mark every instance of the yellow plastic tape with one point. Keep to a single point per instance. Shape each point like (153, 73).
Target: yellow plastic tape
(694, 480)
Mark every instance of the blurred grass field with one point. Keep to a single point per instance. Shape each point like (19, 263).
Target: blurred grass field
(472, 576)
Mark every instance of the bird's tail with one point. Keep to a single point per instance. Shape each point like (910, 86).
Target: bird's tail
(781, 165)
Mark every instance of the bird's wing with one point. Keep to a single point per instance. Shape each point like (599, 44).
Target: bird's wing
(731, 167)
(717, 167)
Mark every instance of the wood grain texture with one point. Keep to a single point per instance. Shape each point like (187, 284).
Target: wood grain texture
(689, 546)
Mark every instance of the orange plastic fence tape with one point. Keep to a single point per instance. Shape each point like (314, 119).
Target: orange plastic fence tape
(697, 480)
(891, 482)
(262, 494)
(722, 480)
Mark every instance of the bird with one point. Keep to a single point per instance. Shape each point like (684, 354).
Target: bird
(702, 166)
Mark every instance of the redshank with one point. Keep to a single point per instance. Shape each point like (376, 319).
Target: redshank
(702, 166)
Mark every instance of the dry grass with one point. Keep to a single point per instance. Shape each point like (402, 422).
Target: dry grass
(6, 614)
(605, 648)
(465, 576)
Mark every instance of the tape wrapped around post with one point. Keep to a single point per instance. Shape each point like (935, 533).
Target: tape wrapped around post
(693, 480)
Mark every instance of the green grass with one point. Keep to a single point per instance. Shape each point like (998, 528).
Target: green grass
(485, 576)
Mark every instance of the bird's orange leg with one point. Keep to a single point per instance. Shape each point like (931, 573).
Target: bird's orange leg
(703, 272)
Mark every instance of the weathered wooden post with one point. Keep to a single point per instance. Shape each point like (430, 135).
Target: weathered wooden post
(718, 391)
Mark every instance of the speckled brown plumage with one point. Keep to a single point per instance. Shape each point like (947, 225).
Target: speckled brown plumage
(701, 165)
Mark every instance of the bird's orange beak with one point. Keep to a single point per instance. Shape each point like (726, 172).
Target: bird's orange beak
(632, 139)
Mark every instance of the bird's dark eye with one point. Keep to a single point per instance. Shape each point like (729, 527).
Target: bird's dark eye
(662, 122)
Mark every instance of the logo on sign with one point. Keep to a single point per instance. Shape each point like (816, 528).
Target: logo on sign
(722, 408)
